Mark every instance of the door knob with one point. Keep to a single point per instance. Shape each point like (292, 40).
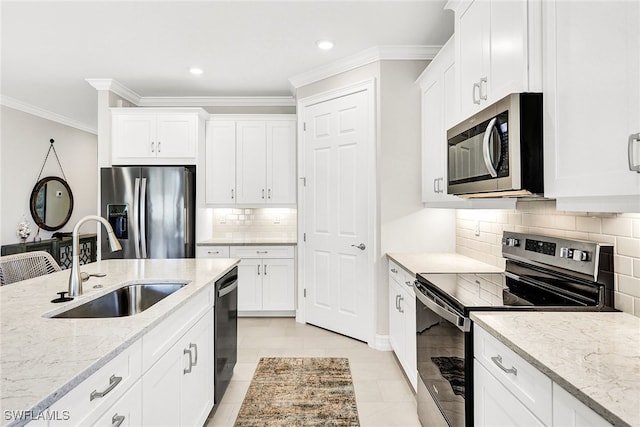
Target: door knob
(361, 246)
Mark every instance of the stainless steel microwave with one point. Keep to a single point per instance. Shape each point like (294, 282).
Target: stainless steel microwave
(498, 152)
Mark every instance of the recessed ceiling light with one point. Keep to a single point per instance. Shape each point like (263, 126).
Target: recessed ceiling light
(196, 71)
(324, 44)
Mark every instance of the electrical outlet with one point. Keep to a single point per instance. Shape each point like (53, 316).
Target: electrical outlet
(476, 230)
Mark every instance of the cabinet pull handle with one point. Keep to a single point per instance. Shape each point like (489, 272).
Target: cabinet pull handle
(113, 382)
(258, 269)
(265, 269)
(263, 193)
(188, 370)
(153, 146)
(213, 252)
(408, 283)
(262, 252)
(482, 80)
(633, 138)
(232, 195)
(473, 93)
(269, 194)
(158, 146)
(195, 349)
(400, 304)
(498, 361)
(397, 308)
(435, 185)
(117, 420)
(394, 271)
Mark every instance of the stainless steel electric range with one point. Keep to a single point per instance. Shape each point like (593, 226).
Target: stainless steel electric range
(541, 273)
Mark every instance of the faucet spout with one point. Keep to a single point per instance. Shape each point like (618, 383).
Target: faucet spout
(75, 278)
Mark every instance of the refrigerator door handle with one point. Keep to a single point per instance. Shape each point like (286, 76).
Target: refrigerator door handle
(143, 217)
(136, 216)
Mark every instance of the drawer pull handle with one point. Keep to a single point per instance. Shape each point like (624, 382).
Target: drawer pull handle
(262, 252)
(498, 361)
(117, 420)
(188, 370)
(113, 382)
(195, 348)
(394, 271)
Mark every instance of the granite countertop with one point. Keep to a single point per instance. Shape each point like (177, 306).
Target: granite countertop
(41, 358)
(441, 263)
(241, 238)
(595, 356)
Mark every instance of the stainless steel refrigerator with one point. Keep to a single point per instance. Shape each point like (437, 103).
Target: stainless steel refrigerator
(151, 210)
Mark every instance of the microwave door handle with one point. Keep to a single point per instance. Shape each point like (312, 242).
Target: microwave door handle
(486, 148)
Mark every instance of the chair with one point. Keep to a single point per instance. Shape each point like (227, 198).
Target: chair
(23, 266)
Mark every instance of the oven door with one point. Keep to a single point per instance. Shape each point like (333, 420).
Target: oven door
(443, 341)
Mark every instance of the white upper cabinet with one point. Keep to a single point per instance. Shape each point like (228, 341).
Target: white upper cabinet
(591, 102)
(438, 111)
(497, 51)
(251, 160)
(155, 136)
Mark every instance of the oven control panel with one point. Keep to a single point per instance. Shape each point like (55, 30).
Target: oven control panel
(574, 255)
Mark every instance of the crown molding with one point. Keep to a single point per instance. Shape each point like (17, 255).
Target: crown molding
(115, 87)
(217, 101)
(374, 54)
(45, 114)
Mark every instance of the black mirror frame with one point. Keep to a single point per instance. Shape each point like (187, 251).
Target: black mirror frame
(33, 198)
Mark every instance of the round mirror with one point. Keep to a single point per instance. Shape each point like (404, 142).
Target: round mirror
(51, 203)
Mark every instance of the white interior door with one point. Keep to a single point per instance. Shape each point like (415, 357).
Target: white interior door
(337, 274)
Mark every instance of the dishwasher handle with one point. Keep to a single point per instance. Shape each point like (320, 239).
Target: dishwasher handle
(442, 309)
(228, 289)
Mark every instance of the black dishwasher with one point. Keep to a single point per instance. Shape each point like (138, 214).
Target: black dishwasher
(225, 331)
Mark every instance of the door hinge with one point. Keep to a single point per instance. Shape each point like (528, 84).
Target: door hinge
(304, 180)
(304, 126)
(304, 293)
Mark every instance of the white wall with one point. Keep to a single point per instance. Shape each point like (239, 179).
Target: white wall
(24, 141)
(541, 217)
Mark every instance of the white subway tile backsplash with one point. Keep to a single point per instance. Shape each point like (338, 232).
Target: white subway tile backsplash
(541, 217)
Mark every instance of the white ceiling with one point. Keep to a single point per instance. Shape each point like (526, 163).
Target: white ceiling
(247, 48)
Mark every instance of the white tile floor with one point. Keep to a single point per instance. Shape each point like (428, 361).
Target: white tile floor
(383, 395)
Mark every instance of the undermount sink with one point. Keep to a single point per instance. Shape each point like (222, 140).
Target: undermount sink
(125, 301)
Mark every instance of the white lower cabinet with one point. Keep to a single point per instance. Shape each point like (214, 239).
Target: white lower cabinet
(266, 279)
(570, 412)
(508, 391)
(402, 321)
(126, 412)
(178, 389)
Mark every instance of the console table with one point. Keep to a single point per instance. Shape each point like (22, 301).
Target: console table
(60, 249)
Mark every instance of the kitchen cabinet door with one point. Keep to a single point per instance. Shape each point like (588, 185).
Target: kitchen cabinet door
(494, 405)
(220, 164)
(250, 285)
(570, 412)
(133, 137)
(396, 332)
(176, 136)
(197, 381)
(162, 389)
(251, 152)
(278, 284)
(281, 162)
(497, 51)
(592, 105)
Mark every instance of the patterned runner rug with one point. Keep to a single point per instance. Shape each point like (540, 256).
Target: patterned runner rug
(300, 391)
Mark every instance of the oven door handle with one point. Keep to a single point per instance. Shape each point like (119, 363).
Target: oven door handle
(461, 322)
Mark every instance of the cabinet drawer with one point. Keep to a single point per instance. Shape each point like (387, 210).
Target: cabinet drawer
(261, 252)
(101, 390)
(212, 251)
(157, 341)
(400, 275)
(530, 386)
(126, 411)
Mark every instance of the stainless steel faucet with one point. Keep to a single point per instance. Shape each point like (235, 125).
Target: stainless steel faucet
(75, 278)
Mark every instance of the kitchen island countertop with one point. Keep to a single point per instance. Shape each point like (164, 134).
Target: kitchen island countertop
(436, 262)
(42, 358)
(595, 356)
